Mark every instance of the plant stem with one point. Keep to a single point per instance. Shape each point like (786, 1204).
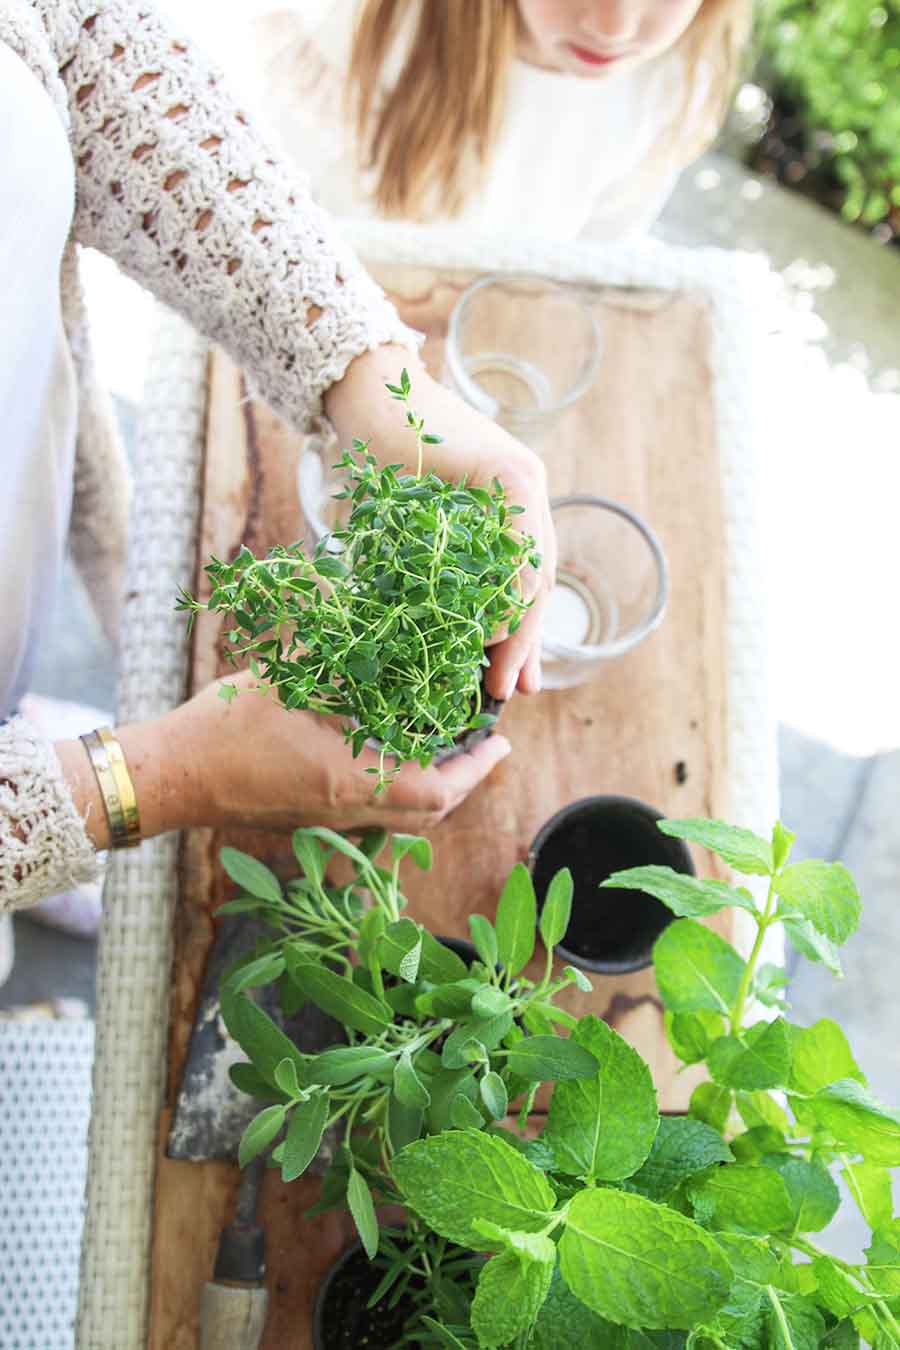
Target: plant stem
(762, 923)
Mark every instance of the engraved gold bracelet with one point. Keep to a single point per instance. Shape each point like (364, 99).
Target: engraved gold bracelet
(116, 787)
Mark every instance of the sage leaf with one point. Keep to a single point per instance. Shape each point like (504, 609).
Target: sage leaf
(823, 893)
(745, 1198)
(493, 1094)
(409, 1088)
(251, 875)
(437, 963)
(485, 939)
(695, 968)
(579, 978)
(463, 1115)
(603, 1126)
(511, 1289)
(264, 970)
(557, 908)
(359, 1201)
(858, 1122)
(286, 1077)
(686, 896)
(262, 1041)
(340, 997)
(516, 920)
(347, 1063)
(443, 1086)
(304, 1135)
(741, 849)
(452, 1178)
(490, 1002)
(370, 930)
(820, 1055)
(871, 1188)
(795, 1322)
(341, 845)
(760, 1058)
(418, 849)
(641, 1264)
(249, 1080)
(539, 1059)
(260, 1133)
(814, 1197)
(404, 1123)
(309, 855)
(682, 1148)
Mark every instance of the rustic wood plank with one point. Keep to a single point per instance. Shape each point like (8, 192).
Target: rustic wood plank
(644, 435)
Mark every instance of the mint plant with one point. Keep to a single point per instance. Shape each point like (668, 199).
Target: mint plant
(385, 624)
(613, 1227)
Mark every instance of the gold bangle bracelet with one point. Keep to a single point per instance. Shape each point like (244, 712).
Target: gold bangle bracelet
(116, 787)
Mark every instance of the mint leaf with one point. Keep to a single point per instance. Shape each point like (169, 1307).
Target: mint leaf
(337, 1067)
(695, 968)
(338, 996)
(820, 1055)
(748, 1199)
(484, 938)
(418, 849)
(565, 1320)
(795, 1322)
(813, 1195)
(871, 1188)
(685, 896)
(453, 1178)
(782, 843)
(823, 893)
(811, 944)
(711, 1104)
(743, 850)
(511, 1289)
(603, 1126)
(359, 1201)
(883, 1259)
(682, 1148)
(769, 982)
(638, 1263)
(260, 1133)
(758, 1108)
(690, 1034)
(759, 1058)
(304, 1135)
(858, 1122)
(840, 1294)
(251, 875)
(538, 1059)
(751, 1259)
(516, 920)
(557, 908)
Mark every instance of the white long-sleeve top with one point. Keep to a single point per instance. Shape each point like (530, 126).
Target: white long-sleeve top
(574, 157)
(115, 132)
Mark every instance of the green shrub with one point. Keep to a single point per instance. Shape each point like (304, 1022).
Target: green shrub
(839, 60)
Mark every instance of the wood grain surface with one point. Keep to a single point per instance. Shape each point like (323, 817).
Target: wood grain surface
(644, 435)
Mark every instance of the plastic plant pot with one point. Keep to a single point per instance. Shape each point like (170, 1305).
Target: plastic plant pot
(611, 931)
(341, 1319)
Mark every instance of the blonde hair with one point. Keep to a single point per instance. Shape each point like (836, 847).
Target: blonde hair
(429, 139)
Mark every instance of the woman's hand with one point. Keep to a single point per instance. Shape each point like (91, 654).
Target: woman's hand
(474, 446)
(251, 762)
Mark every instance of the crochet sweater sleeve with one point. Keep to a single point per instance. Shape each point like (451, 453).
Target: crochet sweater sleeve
(174, 183)
(43, 843)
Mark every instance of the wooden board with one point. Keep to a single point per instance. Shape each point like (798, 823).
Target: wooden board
(644, 435)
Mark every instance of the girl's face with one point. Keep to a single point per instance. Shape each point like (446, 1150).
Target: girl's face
(594, 38)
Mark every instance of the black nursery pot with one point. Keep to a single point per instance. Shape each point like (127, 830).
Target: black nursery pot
(341, 1320)
(611, 931)
(464, 949)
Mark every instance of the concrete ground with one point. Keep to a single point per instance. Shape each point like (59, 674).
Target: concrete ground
(831, 453)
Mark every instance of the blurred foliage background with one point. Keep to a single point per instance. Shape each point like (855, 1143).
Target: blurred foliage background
(829, 123)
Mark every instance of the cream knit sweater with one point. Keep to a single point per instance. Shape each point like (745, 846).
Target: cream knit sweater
(175, 185)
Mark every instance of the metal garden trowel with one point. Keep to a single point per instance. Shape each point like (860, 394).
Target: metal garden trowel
(210, 1117)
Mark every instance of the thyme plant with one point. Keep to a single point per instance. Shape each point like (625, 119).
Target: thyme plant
(385, 624)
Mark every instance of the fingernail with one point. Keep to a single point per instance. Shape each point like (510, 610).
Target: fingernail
(509, 687)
